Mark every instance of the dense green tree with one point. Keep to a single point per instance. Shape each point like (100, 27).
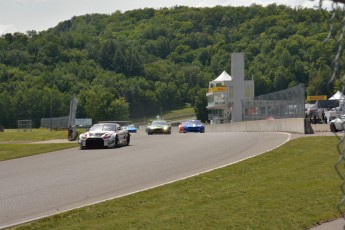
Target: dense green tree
(141, 62)
(118, 110)
(6, 109)
(200, 105)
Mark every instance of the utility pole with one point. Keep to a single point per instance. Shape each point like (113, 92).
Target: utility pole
(51, 115)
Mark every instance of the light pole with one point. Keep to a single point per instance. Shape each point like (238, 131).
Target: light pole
(51, 115)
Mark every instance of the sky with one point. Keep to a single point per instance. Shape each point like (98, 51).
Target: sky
(26, 15)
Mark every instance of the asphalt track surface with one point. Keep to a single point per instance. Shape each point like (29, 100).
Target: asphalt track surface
(47, 184)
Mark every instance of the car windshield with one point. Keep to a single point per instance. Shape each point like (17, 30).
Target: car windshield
(159, 123)
(103, 127)
(194, 122)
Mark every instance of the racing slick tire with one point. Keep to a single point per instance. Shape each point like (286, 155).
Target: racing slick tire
(128, 139)
(116, 144)
(333, 128)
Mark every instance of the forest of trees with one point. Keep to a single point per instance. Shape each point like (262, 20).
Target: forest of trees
(136, 63)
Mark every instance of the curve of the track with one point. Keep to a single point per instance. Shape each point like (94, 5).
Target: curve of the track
(42, 185)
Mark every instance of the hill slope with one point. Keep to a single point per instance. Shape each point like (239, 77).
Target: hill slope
(142, 62)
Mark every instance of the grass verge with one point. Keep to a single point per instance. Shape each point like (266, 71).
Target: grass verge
(12, 151)
(292, 187)
(12, 135)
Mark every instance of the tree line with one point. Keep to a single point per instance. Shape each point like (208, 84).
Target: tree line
(137, 63)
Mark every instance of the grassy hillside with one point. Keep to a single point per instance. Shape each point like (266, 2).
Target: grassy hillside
(138, 63)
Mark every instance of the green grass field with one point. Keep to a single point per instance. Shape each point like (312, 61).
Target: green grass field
(292, 187)
(14, 136)
(14, 144)
(12, 151)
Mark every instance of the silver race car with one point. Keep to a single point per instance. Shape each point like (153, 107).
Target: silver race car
(109, 135)
(158, 126)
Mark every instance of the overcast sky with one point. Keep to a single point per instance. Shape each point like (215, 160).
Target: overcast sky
(25, 15)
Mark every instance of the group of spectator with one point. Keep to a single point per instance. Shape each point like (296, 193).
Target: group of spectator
(316, 117)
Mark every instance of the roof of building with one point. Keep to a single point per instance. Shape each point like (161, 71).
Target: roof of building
(223, 77)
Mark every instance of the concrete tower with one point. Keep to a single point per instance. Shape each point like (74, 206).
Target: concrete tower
(237, 73)
(226, 92)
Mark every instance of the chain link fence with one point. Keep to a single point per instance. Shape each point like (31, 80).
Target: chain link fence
(338, 36)
(55, 122)
(289, 103)
(24, 125)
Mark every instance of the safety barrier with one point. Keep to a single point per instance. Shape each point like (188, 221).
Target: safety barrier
(290, 125)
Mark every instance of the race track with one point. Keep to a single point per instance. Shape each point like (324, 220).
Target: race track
(42, 185)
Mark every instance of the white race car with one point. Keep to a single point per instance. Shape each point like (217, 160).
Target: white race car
(109, 135)
(337, 124)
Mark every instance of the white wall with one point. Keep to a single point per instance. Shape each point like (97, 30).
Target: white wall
(292, 125)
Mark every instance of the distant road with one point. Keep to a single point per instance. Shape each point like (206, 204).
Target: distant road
(42, 185)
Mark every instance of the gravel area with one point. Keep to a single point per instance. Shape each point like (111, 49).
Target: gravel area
(316, 134)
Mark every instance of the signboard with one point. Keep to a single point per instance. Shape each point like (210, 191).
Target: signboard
(217, 89)
(316, 98)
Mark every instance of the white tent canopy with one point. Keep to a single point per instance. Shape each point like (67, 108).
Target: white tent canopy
(314, 106)
(337, 96)
(223, 77)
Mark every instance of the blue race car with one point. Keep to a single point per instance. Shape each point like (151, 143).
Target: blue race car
(131, 128)
(194, 126)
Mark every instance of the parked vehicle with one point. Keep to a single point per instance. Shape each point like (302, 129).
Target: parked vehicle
(159, 126)
(338, 124)
(109, 135)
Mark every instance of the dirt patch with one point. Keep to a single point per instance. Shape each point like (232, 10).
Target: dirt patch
(316, 134)
(54, 141)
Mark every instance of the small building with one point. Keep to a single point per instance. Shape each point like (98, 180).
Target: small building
(226, 92)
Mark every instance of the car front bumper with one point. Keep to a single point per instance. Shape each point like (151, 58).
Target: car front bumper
(159, 130)
(95, 142)
(194, 129)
